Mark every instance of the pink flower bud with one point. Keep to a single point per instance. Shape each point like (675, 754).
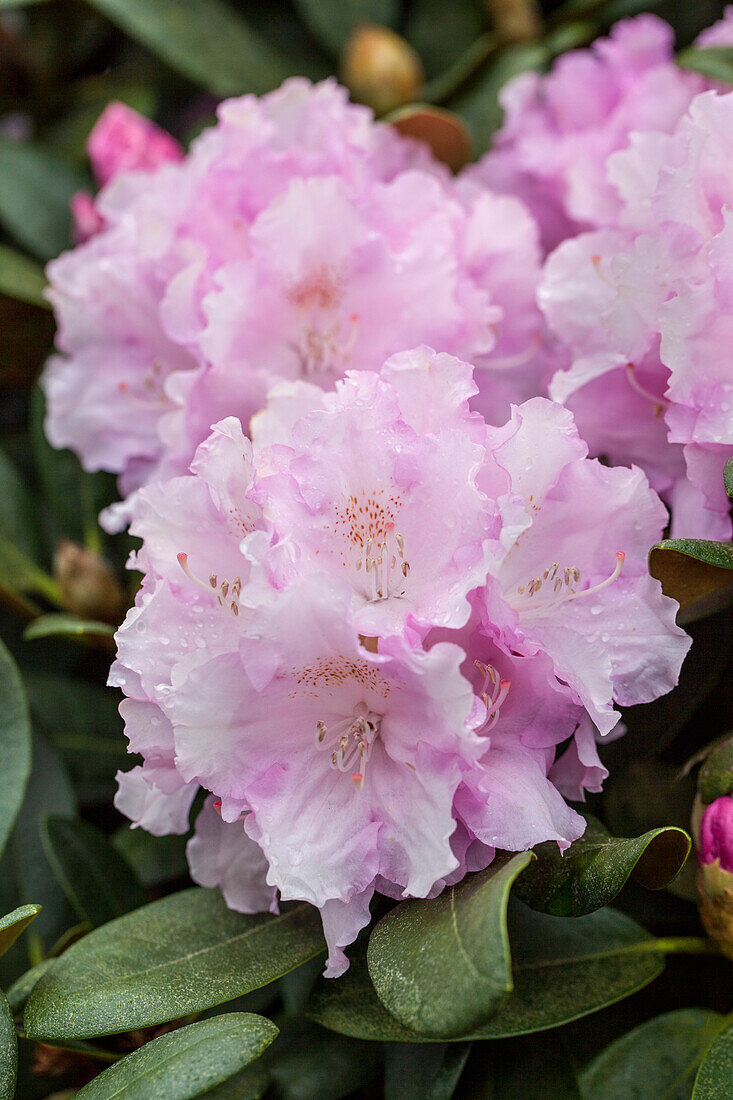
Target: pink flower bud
(123, 140)
(716, 833)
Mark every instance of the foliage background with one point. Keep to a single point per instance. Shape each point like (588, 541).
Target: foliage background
(67, 849)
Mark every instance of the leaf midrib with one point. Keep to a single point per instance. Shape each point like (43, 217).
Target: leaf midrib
(222, 944)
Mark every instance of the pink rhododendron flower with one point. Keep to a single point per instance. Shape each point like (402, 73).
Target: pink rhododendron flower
(560, 129)
(298, 239)
(644, 308)
(360, 726)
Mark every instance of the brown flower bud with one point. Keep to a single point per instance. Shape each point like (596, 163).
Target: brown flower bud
(516, 20)
(88, 586)
(381, 69)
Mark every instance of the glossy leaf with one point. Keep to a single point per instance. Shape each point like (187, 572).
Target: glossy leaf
(13, 924)
(696, 573)
(8, 1051)
(728, 478)
(414, 1071)
(442, 966)
(563, 969)
(444, 132)
(307, 1061)
(187, 1062)
(333, 21)
(478, 102)
(249, 1084)
(67, 626)
(205, 40)
(25, 871)
(182, 954)
(714, 62)
(15, 744)
(96, 879)
(20, 990)
(36, 186)
(21, 278)
(713, 1081)
(659, 1058)
(82, 721)
(596, 867)
(154, 859)
(715, 777)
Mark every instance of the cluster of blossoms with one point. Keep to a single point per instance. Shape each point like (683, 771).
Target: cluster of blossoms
(383, 633)
(385, 637)
(637, 189)
(296, 240)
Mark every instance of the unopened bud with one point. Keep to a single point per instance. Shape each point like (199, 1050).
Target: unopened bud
(381, 69)
(716, 774)
(123, 140)
(88, 586)
(516, 20)
(715, 877)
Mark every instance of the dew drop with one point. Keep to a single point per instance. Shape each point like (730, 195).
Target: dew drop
(596, 609)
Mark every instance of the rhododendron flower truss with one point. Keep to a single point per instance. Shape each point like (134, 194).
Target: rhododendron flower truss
(298, 239)
(385, 638)
(559, 129)
(644, 309)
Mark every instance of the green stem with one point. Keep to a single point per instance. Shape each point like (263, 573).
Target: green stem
(684, 945)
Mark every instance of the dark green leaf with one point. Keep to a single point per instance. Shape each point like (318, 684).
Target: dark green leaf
(20, 990)
(713, 1081)
(21, 278)
(478, 103)
(657, 1059)
(82, 721)
(36, 187)
(15, 744)
(205, 40)
(333, 21)
(155, 859)
(714, 62)
(8, 1051)
(75, 496)
(595, 868)
(5, 4)
(182, 954)
(24, 871)
(416, 1071)
(249, 1084)
(696, 573)
(715, 777)
(728, 478)
(563, 969)
(66, 626)
(18, 519)
(98, 882)
(307, 1061)
(13, 924)
(187, 1062)
(441, 33)
(442, 966)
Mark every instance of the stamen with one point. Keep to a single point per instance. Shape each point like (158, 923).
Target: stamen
(569, 596)
(492, 692)
(210, 588)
